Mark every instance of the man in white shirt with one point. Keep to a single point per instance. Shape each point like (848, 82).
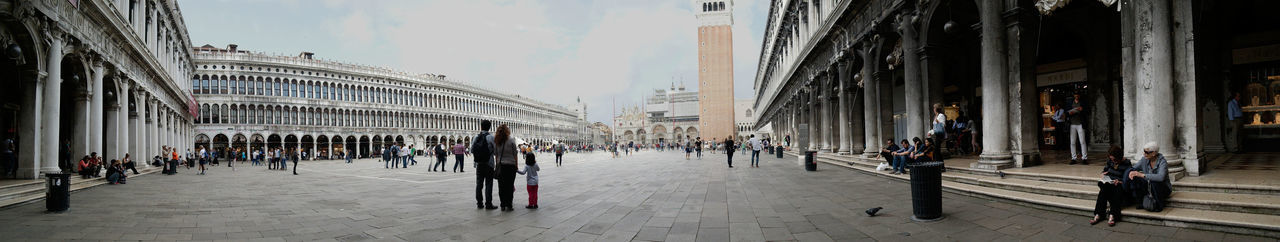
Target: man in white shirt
(755, 150)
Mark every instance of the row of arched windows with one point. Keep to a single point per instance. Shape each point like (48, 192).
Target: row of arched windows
(288, 87)
(257, 114)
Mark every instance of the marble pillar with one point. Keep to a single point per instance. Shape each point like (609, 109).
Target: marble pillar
(995, 113)
(95, 110)
(111, 118)
(80, 122)
(29, 119)
(51, 109)
(1155, 98)
(1024, 99)
(824, 111)
(135, 126)
(812, 118)
(153, 127)
(870, 102)
(1190, 145)
(913, 92)
(845, 128)
(122, 117)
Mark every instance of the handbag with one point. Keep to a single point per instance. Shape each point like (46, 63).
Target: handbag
(1150, 203)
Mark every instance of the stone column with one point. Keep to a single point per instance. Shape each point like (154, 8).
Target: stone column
(870, 101)
(112, 131)
(995, 113)
(95, 111)
(1189, 128)
(148, 128)
(51, 106)
(813, 118)
(842, 82)
(121, 137)
(135, 127)
(1154, 87)
(913, 91)
(1024, 99)
(153, 127)
(80, 122)
(29, 118)
(824, 111)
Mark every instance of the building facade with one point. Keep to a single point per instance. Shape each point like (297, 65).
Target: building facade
(744, 120)
(859, 72)
(251, 101)
(669, 115)
(93, 77)
(715, 67)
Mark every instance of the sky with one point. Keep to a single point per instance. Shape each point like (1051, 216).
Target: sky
(555, 51)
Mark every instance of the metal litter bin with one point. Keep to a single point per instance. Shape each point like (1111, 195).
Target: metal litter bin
(779, 152)
(926, 190)
(58, 192)
(810, 160)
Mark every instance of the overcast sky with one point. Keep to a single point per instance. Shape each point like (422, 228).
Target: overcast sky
(552, 50)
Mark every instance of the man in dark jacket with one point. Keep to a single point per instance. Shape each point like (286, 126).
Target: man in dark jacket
(482, 149)
(887, 151)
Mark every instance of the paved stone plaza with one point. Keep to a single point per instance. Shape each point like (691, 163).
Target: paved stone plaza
(648, 196)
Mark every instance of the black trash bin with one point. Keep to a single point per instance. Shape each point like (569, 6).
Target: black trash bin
(926, 190)
(770, 150)
(811, 160)
(779, 152)
(58, 192)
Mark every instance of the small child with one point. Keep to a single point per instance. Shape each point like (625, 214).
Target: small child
(531, 175)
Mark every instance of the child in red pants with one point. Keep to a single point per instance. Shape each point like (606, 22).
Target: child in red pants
(531, 174)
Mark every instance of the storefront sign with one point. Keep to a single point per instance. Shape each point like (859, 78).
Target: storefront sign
(1255, 54)
(1062, 77)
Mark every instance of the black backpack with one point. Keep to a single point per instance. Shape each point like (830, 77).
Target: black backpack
(481, 148)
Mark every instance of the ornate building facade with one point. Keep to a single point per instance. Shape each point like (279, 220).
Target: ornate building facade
(100, 77)
(859, 72)
(669, 115)
(253, 101)
(744, 119)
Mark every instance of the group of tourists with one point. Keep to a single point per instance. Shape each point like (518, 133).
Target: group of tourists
(91, 166)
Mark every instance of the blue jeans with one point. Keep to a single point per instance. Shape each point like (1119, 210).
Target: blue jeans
(900, 163)
(415, 161)
(404, 161)
(284, 163)
(755, 157)
(348, 159)
(395, 160)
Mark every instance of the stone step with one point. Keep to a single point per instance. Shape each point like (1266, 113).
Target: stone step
(23, 193)
(1082, 180)
(1226, 202)
(1225, 221)
(1076, 187)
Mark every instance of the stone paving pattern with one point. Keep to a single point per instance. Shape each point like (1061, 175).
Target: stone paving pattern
(649, 196)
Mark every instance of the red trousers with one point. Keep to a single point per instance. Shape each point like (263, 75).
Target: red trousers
(533, 194)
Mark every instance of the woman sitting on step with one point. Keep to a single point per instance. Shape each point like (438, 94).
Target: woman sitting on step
(115, 173)
(1111, 188)
(1150, 179)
